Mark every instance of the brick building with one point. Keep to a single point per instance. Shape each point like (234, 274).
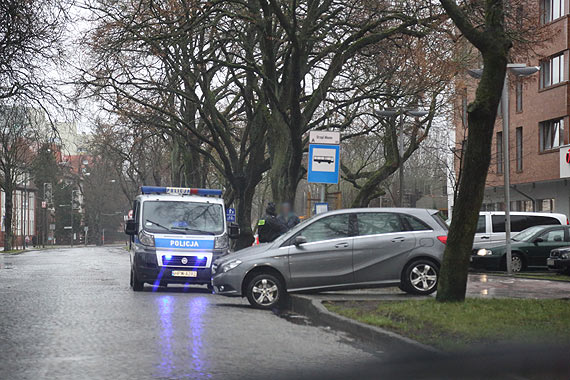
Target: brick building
(539, 108)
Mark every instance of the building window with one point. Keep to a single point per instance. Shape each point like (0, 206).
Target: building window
(519, 147)
(552, 71)
(546, 205)
(551, 134)
(519, 94)
(551, 10)
(499, 152)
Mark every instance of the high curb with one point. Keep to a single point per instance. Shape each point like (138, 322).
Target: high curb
(316, 311)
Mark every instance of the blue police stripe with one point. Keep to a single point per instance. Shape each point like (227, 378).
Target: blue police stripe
(200, 244)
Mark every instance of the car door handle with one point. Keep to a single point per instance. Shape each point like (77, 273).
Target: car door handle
(485, 237)
(341, 245)
(398, 239)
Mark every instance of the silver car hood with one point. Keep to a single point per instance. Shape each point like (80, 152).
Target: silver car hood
(246, 252)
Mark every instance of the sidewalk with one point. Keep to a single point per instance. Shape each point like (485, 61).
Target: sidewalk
(479, 286)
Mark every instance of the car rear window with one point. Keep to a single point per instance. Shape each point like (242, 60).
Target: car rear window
(414, 224)
(542, 220)
(522, 222)
(439, 219)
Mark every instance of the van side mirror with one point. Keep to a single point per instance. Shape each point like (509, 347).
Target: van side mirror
(131, 227)
(538, 240)
(299, 240)
(233, 231)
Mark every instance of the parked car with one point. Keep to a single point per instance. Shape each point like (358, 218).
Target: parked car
(341, 249)
(530, 248)
(559, 260)
(491, 224)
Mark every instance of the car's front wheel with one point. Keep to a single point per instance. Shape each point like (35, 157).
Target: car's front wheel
(265, 291)
(517, 263)
(135, 283)
(420, 277)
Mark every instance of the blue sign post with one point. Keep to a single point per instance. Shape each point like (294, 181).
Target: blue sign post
(231, 215)
(323, 163)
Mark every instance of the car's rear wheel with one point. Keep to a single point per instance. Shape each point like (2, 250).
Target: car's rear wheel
(135, 283)
(265, 291)
(420, 277)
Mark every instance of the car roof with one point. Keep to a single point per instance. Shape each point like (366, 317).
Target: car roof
(530, 213)
(179, 198)
(405, 210)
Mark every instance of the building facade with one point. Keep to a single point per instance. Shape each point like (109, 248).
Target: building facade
(539, 125)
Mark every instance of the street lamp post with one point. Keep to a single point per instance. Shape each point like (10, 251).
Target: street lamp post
(401, 112)
(520, 70)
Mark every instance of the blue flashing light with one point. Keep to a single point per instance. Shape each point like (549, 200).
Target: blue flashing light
(200, 257)
(168, 257)
(180, 191)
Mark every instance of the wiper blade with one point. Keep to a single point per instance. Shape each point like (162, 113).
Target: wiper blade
(158, 225)
(196, 231)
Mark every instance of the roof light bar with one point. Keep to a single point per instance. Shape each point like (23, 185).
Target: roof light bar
(179, 191)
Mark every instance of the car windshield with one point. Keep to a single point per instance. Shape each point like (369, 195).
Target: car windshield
(527, 234)
(194, 218)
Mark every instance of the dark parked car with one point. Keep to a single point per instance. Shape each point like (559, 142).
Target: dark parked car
(530, 248)
(559, 260)
(341, 249)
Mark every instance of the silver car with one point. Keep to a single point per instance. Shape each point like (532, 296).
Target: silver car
(343, 249)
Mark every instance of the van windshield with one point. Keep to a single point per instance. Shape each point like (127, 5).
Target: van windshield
(177, 217)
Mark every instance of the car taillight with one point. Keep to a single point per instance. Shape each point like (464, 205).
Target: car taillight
(567, 221)
(442, 239)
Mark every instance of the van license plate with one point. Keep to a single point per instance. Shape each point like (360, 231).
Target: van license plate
(184, 273)
(550, 262)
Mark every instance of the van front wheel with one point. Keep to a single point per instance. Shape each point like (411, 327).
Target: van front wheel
(135, 283)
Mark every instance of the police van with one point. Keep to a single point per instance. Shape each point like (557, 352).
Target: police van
(176, 234)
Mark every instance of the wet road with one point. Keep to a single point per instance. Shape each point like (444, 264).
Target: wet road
(70, 314)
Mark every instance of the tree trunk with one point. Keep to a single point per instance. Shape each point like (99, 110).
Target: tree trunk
(481, 116)
(244, 203)
(286, 154)
(9, 207)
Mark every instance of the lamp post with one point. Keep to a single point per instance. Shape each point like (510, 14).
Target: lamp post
(392, 112)
(520, 70)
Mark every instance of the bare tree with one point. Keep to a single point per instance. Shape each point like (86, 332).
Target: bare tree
(30, 41)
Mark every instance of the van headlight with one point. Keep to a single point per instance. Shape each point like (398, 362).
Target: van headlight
(221, 242)
(231, 265)
(484, 252)
(146, 239)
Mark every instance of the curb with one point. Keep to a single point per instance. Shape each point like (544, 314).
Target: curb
(521, 277)
(315, 310)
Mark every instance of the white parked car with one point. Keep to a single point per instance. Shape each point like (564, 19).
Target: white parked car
(491, 224)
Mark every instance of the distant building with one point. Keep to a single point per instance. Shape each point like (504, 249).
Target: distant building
(24, 213)
(539, 111)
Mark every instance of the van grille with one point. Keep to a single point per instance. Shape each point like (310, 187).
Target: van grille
(192, 261)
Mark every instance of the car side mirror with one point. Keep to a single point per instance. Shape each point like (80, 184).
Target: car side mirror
(233, 231)
(538, 240)
(131, 227)
(299, 240)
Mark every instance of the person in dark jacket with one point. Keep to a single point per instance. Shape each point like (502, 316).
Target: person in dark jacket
(288, 216)
(270, 227)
